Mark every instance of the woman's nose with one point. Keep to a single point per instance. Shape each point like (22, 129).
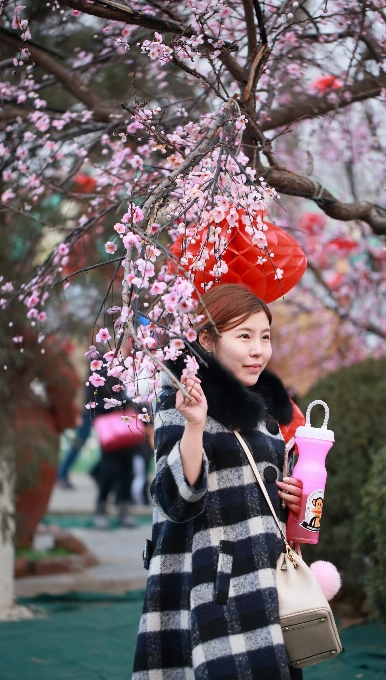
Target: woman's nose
(256, 349)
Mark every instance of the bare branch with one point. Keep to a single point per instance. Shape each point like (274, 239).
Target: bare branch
(260, 22)
(116, 11)
(87, 269)
(258, 62)
(233, 66)
(250, 26)
(309, 107)
(294, 184)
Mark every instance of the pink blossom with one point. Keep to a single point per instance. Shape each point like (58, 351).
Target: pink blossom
(92, 353)
(7, 195)
(144, 416)
(279, 273)
(96, 365)
(33, 300)
(111, 403)
(191, 367)
(117, 388)
(177, 343)
(32, 314)
(120, 228)
(191, 335)
(137, 215)
(97, 380)
(136, 162)
(158, 288)
(63, 249)
(18, 339)
(109, 356)
(91, 404)
(115, 371)
(103, 335)
(110, 247)
(259, 239)
(42, 316)
(131, 240)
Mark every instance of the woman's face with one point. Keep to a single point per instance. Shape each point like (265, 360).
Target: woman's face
(245, 349)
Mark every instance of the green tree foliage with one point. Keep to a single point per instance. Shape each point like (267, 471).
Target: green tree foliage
(370, 536)
(356, 396)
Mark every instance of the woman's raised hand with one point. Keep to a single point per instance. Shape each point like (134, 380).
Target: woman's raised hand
(194, 411)
(290, 490)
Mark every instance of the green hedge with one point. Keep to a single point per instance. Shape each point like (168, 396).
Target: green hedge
(356, 396)
(370, 535)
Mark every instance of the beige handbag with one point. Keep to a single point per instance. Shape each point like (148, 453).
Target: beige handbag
(309, 630)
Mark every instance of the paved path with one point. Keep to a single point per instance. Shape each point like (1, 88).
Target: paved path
(118, 550)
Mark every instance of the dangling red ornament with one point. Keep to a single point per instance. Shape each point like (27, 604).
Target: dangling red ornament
(298, 419)
(270, 277)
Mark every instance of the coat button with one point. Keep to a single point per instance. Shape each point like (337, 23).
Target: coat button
(270, 474)
(272, 426)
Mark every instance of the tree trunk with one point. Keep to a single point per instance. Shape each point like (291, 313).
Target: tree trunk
(9, 611)
(7, 528)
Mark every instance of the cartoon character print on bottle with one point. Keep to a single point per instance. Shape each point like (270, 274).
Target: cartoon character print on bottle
(313, 511)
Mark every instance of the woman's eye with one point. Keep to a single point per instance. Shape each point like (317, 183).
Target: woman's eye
(244, 335)
(266, 337)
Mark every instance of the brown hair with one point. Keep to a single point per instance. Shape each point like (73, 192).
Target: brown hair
(228, 305)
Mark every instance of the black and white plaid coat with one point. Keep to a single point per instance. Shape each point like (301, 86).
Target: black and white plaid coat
(211, 607)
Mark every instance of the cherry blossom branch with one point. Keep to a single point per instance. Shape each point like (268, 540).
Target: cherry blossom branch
(114, 11)
(345, 316)
(102, 112)
(165, 186)
(157, 361)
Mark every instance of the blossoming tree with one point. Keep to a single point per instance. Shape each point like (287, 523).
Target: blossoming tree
(149, 122)
(186, 121)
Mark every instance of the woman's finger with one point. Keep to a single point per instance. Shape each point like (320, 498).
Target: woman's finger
(292, 502)
(293, 481)
(290, 488)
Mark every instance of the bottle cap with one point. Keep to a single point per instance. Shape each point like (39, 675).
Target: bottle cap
(316, 432)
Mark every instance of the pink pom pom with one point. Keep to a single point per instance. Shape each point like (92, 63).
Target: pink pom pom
(327, 576)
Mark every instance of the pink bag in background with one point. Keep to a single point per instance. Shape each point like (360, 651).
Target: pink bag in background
(114, 433)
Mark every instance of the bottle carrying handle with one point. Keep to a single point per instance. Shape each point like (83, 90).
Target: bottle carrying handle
(326, 412)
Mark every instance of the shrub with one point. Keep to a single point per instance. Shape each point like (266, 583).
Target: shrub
(356, 396)
(370, 535)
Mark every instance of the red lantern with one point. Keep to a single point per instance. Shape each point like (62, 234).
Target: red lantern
(84, 184)
(298, 419)
(269, 280)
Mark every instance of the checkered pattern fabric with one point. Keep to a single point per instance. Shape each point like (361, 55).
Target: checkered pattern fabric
(211, 607)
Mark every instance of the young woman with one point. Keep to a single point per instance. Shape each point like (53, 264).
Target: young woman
(211, 607)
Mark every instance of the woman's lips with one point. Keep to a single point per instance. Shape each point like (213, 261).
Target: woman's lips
(253, 367)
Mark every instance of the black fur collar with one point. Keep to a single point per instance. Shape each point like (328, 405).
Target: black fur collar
(231, 403)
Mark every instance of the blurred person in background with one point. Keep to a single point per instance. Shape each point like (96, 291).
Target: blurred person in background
(119, 443)
(82, 434)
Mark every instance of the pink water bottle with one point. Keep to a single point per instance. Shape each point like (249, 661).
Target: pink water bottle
(313, 445)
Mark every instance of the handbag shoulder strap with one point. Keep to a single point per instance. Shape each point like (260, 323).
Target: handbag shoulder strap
(264, 491)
